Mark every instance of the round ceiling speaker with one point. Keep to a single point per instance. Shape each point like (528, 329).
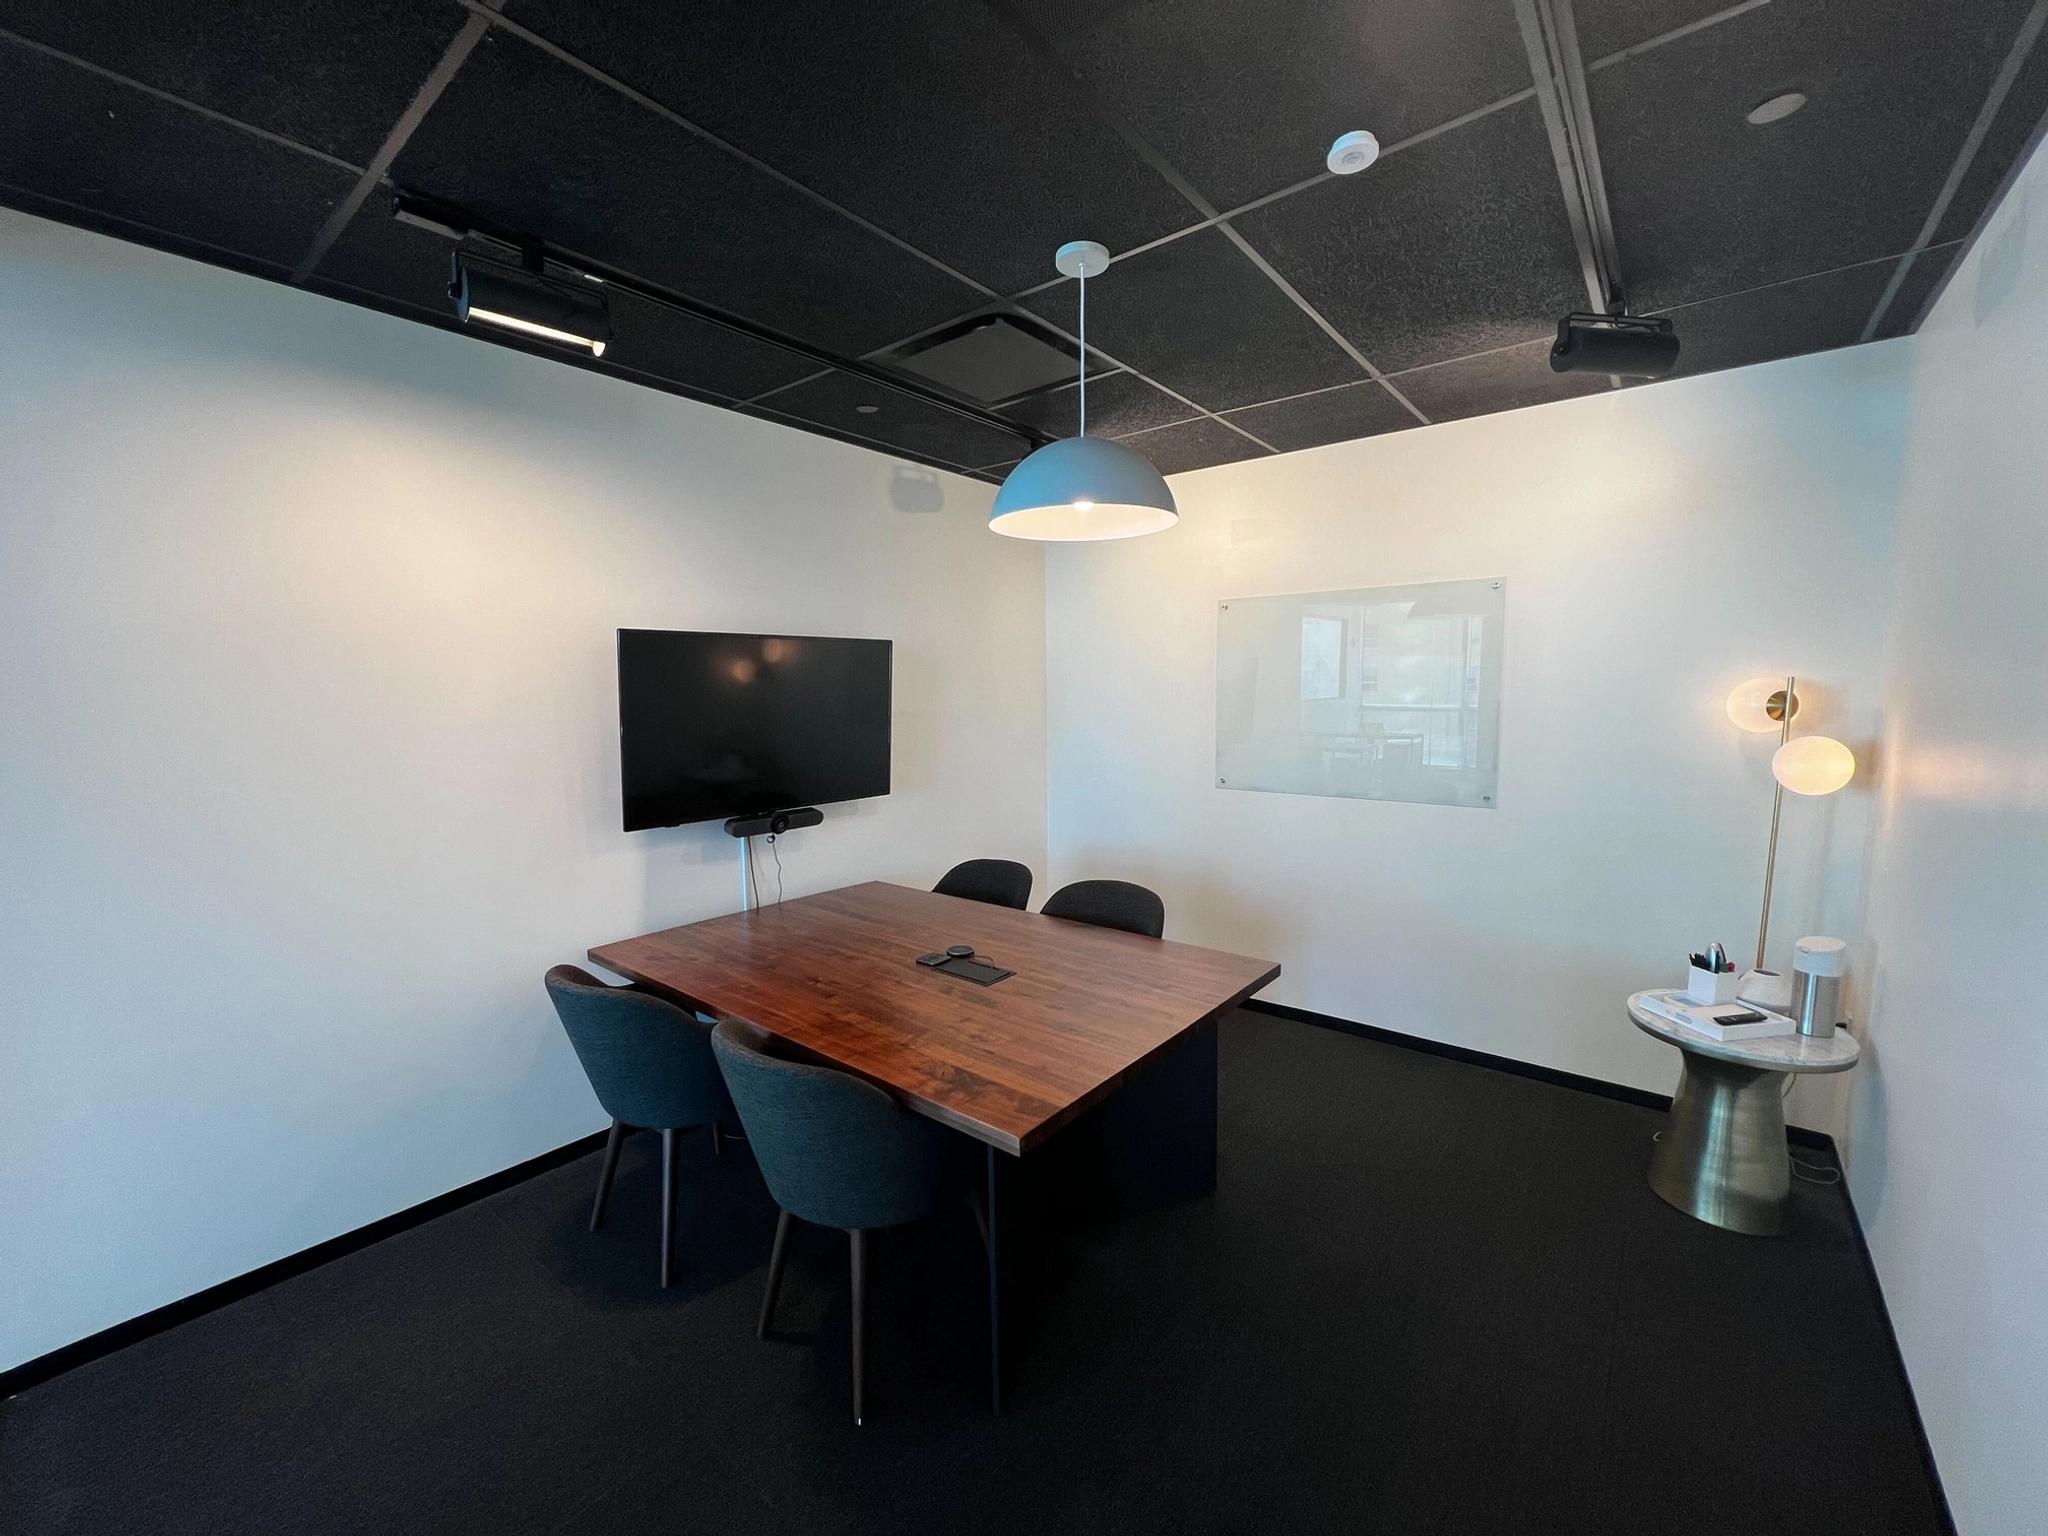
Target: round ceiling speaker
(1353, 152)
(1777, 109)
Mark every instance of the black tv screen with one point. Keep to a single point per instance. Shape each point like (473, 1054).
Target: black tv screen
(715, 725)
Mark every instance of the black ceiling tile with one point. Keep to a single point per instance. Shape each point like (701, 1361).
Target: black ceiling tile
(934, 121)
(897, 420)
(1118, 403)
(335, 74)
(1810, 315)
(1194, 444)
(1922, 281)
(1244, 99)
(1505, 380)
(1455, 246)
(1706, 204)
(532, 144)
(1197, 316)
(1607, 26)
(396, 261)
(1329, 416)
(673, 345)
(2012, 129)
(68, 134)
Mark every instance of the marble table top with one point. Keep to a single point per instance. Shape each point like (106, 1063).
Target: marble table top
(1778, 1053)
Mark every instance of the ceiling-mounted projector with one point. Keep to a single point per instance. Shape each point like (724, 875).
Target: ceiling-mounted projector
(1627, 346)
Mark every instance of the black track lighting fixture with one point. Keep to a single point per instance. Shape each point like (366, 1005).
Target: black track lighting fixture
(527, 263)
(526, 300)
(1624, 346)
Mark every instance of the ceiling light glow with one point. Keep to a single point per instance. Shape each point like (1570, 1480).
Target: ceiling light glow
(534, 328)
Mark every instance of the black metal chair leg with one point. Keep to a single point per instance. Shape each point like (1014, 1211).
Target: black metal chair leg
(776, 1260)
(612, 1143)
(860, 1324)
(671, 1166)
(717, 1139)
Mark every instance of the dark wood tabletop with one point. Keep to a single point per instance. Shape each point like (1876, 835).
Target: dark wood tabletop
(1008, 1064)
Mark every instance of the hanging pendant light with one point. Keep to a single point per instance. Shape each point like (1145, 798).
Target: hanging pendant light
(1083, 487)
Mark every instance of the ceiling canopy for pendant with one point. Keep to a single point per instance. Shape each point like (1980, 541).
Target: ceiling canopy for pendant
(1083, 488)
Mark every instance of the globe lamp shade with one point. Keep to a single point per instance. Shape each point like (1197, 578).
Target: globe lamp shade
(1813, 765)
(1083, 488)
(1749, 705)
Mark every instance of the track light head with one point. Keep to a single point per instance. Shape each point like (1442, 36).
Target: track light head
(1624, 345)
(488, 294)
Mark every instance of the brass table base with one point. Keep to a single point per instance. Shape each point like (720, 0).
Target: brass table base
(1723, 1156)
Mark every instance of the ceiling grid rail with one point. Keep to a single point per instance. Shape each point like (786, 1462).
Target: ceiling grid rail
(1552, 39)
(1146, 151)
(438, 80)
(2001, 85)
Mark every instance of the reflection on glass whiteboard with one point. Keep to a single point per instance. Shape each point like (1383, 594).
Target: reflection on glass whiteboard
(1384, 693)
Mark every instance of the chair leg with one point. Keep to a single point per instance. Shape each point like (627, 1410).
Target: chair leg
(671, 1166)
(860, 1324)
(717, 1139)
(777, 1259)
(612, 1144)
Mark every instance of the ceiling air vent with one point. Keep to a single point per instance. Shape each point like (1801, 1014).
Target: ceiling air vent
(990, 358)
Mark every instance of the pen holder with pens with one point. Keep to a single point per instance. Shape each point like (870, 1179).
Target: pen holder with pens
(1710, 987)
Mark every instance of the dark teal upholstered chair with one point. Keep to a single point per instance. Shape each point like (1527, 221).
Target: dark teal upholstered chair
(1109, 904)
(650, 1064)
(839, 1152)
(999, 882)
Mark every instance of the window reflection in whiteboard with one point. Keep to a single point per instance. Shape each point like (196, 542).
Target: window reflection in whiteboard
(1398, 694)
(1322, 657)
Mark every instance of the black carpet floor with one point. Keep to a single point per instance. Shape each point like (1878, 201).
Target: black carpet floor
(1426, 1297)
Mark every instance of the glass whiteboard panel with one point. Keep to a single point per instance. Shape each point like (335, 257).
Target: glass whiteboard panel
(1383, 693)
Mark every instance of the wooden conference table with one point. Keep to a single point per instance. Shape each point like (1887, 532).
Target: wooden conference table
(1093, 1068)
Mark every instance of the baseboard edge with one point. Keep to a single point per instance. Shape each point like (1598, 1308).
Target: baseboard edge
(1642, 1098)
(68, 1357)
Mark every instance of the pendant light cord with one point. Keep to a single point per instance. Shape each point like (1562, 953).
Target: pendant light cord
(1084, 348)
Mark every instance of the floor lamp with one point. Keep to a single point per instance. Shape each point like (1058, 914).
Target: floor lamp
(1810, 765)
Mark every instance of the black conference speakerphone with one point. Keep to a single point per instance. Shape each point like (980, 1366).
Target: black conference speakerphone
(958, 960)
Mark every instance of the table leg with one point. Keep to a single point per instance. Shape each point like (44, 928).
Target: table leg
(995, 1307)
(1723, 1156)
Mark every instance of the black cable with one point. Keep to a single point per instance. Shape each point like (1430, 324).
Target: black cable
(778, 868)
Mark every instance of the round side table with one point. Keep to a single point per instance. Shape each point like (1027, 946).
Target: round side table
(1723, 1156)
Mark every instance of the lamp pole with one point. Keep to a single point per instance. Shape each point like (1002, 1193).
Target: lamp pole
(1763, 927)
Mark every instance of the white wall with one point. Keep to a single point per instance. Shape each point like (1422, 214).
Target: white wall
(1951, 1110)
(1660, 545)
(308, 744)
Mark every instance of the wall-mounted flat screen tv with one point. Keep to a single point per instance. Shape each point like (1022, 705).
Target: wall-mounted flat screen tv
(717, 725)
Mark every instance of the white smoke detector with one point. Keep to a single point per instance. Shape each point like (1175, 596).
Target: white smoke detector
(1353, 152)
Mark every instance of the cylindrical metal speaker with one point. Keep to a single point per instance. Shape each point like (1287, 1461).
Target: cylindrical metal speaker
(1817, 966)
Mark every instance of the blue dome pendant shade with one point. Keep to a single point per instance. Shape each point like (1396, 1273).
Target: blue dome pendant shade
(1083, 488)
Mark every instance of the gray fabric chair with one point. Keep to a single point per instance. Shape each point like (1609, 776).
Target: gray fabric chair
(1109, 904)
(839, 1152)
(998, 882)
(650, 1064)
